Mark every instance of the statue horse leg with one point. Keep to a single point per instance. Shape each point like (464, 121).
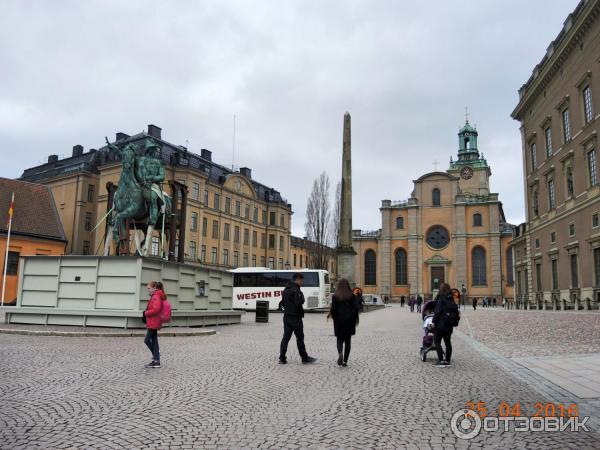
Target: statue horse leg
(152, 223)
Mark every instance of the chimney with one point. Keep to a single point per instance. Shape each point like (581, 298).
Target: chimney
(245, 171)
(77, 150)
(121, 136)
(154, 131)
(206, 154)
(52, 159)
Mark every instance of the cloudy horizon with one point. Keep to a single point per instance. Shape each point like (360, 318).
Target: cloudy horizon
(77, 71)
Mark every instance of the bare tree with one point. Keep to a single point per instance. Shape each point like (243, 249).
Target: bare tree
(335, 219)
(317, 226)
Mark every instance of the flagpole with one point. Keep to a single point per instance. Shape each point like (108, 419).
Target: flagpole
(12, 202)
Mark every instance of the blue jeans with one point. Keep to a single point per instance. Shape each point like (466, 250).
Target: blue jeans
(151, 341)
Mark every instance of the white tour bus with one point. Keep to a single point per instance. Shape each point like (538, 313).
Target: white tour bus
(259, 283)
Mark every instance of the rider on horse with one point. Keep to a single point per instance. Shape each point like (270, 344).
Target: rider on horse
(150, 172)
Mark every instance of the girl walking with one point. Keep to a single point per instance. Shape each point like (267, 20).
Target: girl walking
(153, 321)
(344, 311)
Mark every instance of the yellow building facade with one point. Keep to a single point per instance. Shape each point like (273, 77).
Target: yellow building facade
(231, 219)
(452, 229)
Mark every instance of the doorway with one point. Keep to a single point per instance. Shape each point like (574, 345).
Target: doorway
(438, 276)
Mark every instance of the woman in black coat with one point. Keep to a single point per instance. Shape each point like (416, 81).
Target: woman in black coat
(344, 311)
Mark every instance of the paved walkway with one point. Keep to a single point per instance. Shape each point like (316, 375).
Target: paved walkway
(228, 391)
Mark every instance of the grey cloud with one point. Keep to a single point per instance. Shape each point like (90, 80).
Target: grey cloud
(73, 72)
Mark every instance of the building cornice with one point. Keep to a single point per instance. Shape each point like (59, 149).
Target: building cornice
(575, 27)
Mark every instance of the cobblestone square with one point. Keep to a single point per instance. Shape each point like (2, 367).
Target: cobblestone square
(227, 390)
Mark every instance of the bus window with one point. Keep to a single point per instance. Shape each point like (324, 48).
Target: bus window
(326, 279)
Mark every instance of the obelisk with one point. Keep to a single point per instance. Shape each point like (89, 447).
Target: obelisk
(346, 256)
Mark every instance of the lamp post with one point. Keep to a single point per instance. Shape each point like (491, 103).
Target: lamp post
(463, 291)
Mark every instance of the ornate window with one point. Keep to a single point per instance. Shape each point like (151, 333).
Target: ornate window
(370, 268)
(587, 104)
(551, 195)
(533, 150)
(401, 269)
(478, 266)
(399, 223)
(592, 167)
(554, 274)
(570, 185)
(437, 237)
(435, 197)
(574, 269)
(548, 135)
(477, 220)
(566, 125)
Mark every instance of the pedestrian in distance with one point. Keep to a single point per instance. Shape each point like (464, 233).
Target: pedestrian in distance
(445, 318)
(359, 299)
(419, 303)
(157, 312)
(344, 312)
(293, 312)
(494, 302)
(402, 300)
(474, 303)
(411, 304)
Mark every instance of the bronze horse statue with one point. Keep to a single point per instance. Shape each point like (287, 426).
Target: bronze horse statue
(138, 197)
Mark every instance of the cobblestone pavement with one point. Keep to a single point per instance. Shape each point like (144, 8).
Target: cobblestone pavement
(535, 333)
(227, 391)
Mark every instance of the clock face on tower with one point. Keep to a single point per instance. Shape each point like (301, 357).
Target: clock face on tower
(466, 173)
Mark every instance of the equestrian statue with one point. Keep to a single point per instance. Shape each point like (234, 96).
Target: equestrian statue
(139, 199)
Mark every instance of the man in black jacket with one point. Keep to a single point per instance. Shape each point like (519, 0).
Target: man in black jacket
(292, 302)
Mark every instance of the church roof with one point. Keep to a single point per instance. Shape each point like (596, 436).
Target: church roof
(431, 174)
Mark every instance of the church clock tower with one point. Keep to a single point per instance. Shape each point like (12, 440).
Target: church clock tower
(470, 167)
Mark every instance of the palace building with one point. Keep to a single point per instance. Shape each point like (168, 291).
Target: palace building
(232, 219)
(557, 249)
(452, 229)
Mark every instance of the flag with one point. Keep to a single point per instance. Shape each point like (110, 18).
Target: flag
(11, 209)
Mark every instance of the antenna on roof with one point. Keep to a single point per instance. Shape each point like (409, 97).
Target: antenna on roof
(233, 145)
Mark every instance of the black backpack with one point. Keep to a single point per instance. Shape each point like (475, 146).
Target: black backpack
(453, 314)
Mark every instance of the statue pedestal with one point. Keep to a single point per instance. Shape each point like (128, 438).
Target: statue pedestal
(110, 291)
(346, 264)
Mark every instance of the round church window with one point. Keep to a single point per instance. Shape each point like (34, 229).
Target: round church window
(437, 237)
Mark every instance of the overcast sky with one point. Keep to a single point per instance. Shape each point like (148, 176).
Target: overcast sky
(72, 72)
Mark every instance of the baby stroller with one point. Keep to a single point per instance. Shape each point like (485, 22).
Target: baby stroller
(427, 315)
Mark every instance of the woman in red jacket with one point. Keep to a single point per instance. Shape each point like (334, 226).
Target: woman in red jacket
(153, 323)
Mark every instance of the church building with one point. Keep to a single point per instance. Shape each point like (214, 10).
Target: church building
(452, 229)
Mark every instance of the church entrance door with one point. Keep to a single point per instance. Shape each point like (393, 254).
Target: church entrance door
(438, 276)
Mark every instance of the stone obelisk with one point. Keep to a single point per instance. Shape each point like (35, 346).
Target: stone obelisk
(346, 256)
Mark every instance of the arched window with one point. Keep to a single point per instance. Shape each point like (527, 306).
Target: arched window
(401, 270)
(399, 223)
(478, 265)
(476, 220)
(370, 268)
(435, 197)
